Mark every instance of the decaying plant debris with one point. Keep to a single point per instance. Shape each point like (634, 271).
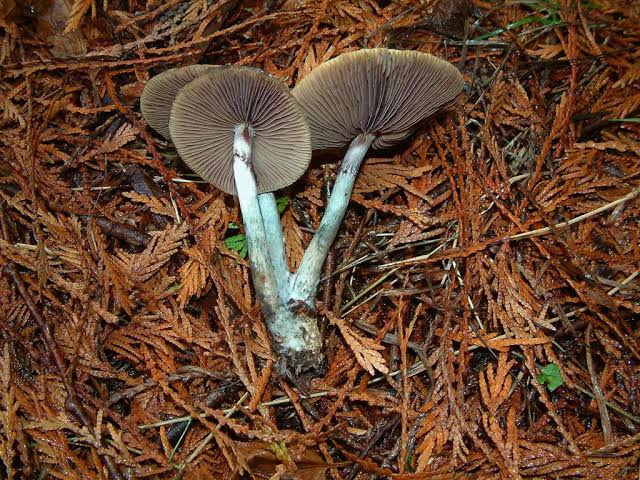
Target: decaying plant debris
(480, 305)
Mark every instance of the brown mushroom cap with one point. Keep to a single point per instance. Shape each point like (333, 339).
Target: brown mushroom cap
(380, 91)
(206, 112)
(160, 92)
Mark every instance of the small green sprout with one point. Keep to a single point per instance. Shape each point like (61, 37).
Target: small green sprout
(282, 203)
(281, 451)
(237, 243)
(550, 376)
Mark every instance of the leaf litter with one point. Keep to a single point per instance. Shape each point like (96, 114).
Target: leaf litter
(480, 305)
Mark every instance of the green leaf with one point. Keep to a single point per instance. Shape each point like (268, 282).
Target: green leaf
(233, 226)
(550, 376)
(282, 203)
(237, 243)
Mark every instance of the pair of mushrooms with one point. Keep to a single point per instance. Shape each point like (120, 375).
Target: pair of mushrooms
(243, 131)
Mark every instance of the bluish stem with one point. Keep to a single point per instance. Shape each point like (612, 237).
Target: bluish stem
(275, 242)
(294, 332)
(262, 271)
(306, 279)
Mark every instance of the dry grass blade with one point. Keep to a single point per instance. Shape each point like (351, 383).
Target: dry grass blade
(602, 406)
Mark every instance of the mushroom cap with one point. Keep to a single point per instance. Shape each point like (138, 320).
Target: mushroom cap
(160, 92)
(207, 111)
(379, 91)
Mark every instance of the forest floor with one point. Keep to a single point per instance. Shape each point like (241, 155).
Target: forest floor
(489, 264)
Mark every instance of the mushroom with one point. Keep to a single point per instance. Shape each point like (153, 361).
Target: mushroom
(160, 92)
(156, 102)
(371, 98)
(241, 130)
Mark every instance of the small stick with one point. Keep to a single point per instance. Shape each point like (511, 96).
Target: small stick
(123, 231)
(605, 421)
(72, 403)
(543, 231)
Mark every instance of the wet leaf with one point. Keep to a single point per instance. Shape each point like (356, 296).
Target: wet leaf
(551, 376)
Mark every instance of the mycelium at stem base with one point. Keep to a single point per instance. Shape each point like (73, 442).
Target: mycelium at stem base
(293, 328)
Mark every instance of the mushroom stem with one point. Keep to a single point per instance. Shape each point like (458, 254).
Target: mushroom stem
(275, 242)
(261, 269)
(306, 279)
(293, 328)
